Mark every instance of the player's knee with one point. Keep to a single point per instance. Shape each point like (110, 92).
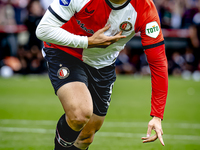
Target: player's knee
(79, 119)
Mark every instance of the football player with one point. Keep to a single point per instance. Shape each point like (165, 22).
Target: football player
(82, 39)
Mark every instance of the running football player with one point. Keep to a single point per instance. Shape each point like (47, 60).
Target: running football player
(82, 39)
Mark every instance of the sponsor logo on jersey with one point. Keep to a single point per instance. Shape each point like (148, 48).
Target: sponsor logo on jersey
(89, 12)
(63, 73)
(152, 29)
(65, 2)
(125, 26)
(84, 28)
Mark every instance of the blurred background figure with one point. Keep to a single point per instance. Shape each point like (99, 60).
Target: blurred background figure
(34, 62)
(35, 13)
(191, 8)
(8, 40)
(45, 3)
(123, 62)
(18, 21)
(194, 36)
(180, 22)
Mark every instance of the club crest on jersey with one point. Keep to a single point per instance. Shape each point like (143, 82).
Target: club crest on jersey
(63, 73)
(152, 29)
(65, 2)
(125, 26)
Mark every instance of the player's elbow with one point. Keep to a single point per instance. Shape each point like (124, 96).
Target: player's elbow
(40, 32)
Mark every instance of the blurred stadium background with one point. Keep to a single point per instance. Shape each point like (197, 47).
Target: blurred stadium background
(29, 109)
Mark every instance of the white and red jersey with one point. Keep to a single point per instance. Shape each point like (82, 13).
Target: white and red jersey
(84, 17)
(67, 24)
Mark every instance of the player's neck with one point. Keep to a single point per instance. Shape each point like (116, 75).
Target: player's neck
(118, 1)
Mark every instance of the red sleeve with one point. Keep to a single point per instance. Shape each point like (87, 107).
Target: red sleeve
(159, 79)
(148, 23)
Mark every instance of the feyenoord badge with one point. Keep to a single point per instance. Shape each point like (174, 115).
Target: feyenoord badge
(125, 26)
(63, 73)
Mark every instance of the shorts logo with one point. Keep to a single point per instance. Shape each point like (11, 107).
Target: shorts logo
(152, 29)
(125, 26)
(65, 2)
(63, 73)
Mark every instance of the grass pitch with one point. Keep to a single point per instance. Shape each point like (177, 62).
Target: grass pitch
(29, 111)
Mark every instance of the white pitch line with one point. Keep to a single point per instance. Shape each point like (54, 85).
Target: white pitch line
(139, 135)
(106, 124)
(102, 134)
(26, 122)
(27, 130)
(145, 124)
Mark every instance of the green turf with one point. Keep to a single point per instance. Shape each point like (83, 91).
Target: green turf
(29, 110)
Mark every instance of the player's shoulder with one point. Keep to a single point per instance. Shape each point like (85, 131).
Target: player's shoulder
(142, 5)
(73, 4)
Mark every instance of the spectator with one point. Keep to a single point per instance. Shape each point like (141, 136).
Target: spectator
(35, 13)
(8, 40)
(176, 64)
(194, 36)
(165, 14)
(20, 10)
(177, 10)
(31, 57)
(45, 3)
(123, 64)
(191, 10)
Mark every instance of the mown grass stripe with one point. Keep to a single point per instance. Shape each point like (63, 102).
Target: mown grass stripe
(103, 134)
(106, 124)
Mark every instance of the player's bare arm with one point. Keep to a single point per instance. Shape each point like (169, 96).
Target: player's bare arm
(99, 39)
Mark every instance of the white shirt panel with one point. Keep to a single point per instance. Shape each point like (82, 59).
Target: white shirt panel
(49, 30)
(66, 12)
(102, 57)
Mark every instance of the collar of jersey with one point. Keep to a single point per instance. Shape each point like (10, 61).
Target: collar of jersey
(117, 8)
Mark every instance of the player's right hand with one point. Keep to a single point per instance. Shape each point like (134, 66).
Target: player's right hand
(99, 39)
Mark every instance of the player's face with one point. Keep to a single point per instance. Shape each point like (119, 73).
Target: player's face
(118, 1)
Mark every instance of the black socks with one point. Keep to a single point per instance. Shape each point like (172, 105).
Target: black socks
(65, 136)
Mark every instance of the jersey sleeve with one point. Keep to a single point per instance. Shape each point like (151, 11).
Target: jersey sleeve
(148, 24)
(49, 28)
(159, 79)
(65, 9)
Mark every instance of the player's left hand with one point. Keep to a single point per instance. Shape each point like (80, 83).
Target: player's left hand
(154, 124)
(99, 39)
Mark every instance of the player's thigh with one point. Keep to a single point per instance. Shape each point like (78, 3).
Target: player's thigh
(86, 136)
(76, 100)
(69, 79)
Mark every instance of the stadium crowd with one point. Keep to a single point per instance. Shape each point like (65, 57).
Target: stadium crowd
(20, 50)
